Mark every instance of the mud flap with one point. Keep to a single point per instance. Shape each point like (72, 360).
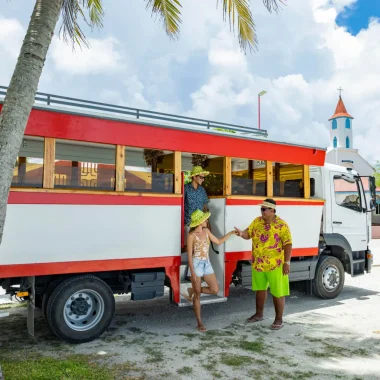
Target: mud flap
(31, 306)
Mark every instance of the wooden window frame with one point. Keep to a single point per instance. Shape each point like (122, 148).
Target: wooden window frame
(48, 163)
(120, 168)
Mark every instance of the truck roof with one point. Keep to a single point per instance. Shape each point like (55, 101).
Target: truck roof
(51, 102)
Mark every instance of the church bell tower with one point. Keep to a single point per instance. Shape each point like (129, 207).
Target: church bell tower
(341, 127)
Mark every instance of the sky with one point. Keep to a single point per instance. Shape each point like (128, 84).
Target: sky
(306, 52)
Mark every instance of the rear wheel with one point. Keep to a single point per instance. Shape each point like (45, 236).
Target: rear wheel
(80, 308)
(329, 278)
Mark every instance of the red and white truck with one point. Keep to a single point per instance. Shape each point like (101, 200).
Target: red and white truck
(96, 209)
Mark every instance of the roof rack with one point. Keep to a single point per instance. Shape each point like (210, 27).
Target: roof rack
(51, 99)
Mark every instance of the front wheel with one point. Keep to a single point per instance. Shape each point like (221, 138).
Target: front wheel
(329, 278)
(80, 309)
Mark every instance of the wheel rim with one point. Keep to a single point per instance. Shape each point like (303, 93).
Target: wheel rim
(83, 310)
(331, 278)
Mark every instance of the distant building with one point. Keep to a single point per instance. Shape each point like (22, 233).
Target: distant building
(342, 152)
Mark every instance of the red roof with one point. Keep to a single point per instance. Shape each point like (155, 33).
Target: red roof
(340, 110)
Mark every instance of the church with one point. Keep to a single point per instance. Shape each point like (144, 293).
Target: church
(342, 152)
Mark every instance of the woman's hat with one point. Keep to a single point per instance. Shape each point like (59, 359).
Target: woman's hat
(268, 203)
(198, 170)
(198, 217)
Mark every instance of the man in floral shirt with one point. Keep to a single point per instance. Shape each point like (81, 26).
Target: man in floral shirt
(271, 252)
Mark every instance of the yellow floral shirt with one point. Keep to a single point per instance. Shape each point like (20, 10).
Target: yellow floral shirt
(268, 241)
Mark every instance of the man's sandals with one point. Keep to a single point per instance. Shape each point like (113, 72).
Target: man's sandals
(277, 327)
(254, 319)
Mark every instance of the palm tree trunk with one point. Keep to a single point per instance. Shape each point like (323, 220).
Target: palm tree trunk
(21, 92)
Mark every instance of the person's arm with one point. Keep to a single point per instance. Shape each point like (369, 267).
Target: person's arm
(220, 241)
(286, 238)
(206, 201)
(288, 255)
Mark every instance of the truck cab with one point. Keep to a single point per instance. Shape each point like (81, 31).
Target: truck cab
(345, 226)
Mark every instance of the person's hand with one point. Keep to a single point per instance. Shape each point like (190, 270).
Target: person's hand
(238, 232)
(194, 278)
(285, 269)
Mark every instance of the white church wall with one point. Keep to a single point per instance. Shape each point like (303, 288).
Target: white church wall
(337, 156)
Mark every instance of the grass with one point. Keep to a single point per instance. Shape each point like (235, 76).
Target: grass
(190, 336)
(330, 350)
(71, 368)
(155, 356)
(185, 370)
(13, 305)
(193, 351)
(219, 333)
(235, 360)
(257, 346)
(303, 375)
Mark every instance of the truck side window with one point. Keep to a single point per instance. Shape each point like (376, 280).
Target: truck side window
(347, 194)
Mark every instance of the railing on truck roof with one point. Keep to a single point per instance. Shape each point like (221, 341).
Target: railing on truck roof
(51, 99)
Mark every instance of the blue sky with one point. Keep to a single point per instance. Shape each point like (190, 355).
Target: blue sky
(356, 16)
(306, 52)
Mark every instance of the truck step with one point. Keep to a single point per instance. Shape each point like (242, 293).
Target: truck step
(358, 261)
(205, 299)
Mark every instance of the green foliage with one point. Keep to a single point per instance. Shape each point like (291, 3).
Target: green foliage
(71, 10)
(377, 173)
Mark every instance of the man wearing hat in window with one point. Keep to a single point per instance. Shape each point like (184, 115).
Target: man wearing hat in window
(271, 252)
(195, 196)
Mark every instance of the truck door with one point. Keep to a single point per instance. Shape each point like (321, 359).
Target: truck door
(348, 207)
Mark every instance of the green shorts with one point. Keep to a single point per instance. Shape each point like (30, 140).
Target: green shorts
(278, 283)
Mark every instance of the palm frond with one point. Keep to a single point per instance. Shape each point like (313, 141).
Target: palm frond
(71, 10)
(273, 4)
(240, 10)
(168, 11)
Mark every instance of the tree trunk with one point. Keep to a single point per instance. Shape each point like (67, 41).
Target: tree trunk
(19, 99)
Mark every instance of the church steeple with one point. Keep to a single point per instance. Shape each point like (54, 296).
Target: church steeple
(341, 126)
(340, 110)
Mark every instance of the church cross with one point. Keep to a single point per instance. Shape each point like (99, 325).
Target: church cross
(340, 89)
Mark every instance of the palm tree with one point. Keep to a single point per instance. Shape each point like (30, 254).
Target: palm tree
(23, 86)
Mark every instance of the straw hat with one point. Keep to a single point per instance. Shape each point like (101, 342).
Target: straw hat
(197, 170)
(268, 203)
(198, 217)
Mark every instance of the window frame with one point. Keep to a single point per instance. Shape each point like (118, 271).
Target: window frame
(360, 206)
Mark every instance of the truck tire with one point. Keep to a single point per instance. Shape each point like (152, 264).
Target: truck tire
(45, 298)
(329, 278)
(80, 309)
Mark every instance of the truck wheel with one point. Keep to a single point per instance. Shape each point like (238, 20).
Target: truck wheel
(80, 309)
(329, 278)
(45, 299)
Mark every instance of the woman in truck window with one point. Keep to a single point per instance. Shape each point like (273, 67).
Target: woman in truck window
(198, 244)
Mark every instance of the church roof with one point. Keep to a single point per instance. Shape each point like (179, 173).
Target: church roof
(340, 110)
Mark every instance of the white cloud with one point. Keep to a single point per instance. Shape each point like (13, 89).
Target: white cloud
(11, 36)
(102, 57)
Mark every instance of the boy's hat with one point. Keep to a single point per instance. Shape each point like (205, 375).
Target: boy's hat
(197, 170)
